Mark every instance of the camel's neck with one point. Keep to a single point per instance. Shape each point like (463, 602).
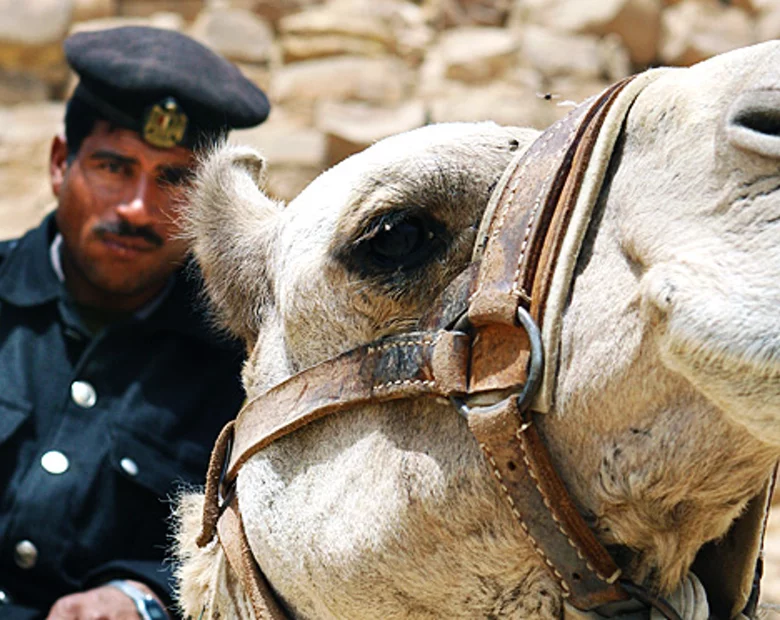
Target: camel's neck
(652, 464)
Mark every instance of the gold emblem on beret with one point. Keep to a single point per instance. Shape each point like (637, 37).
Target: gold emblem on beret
(165, 124)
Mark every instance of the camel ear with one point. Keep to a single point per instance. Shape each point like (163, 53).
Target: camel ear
(231, 226)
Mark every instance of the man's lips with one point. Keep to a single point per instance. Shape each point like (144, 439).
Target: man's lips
(127, 244)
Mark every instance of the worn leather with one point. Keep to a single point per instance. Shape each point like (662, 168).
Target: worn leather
(523, 241)
(232, 537)
(727, 567)
(529, 483)
(405, 366)
(527, 227)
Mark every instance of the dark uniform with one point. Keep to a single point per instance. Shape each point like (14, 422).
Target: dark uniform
(102, 420)
(97, 431)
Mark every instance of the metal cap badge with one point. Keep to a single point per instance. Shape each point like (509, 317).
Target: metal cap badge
(165, 124)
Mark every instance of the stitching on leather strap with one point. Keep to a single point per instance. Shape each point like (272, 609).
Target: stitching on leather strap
(550, 510)
(507, 496)
(427, 341)
(397, 382)
(516, 289)
(517, 176)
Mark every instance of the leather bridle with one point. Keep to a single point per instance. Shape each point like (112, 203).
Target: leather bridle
(480, 338)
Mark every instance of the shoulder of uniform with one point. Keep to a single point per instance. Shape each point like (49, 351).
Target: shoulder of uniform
(6, 247)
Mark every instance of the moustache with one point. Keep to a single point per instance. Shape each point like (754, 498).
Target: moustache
(124, 229)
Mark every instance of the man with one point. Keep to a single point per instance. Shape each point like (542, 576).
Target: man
(112, 388)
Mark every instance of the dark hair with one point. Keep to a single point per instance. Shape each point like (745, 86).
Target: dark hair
(80, 119)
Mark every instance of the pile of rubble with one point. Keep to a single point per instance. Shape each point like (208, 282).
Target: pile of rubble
(344, 73)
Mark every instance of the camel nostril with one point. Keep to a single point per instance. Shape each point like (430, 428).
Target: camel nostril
(761, 121)
(753, 123)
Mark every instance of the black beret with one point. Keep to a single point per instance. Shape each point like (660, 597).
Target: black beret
(163, 84)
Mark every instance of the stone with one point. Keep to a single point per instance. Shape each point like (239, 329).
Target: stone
(31, 35)
(750, 6)
(43, 63)
(351, 127)
(35, 22)
(470, 54)
(26, 132)
(320, 20)
(555, 53)
(506, 104)
(320, 32)
(351, 78)
(238, 34)
(295, 154)
(84, 10)
(307, 47)
(636, 22)
(22, 87)
(186, 9)
(478, 54)
(694, 30)
(171, 21)
(768, 25)
(457, 13)
(274, 10)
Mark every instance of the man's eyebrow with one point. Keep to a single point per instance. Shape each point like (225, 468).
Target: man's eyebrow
(113, 156)
(174, 168)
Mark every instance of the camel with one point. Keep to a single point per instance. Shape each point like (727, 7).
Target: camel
(660, 407)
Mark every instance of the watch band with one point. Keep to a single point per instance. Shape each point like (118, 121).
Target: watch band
(147, 606)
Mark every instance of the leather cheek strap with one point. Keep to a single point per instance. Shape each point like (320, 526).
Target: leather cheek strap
(412, 365)
(539, 501)
(232, 537)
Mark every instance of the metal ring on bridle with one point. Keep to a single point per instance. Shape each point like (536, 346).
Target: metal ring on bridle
(528, 390)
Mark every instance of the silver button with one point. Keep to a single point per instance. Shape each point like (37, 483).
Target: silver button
(25, 554)
(55, 462)
(130, 466)
(83, 394)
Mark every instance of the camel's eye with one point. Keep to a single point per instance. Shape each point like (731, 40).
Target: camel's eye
(395, 240)
(399, 240)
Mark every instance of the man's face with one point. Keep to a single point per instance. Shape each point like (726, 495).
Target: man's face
(118, 216)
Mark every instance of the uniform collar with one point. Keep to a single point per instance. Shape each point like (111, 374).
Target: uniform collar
(27, 277)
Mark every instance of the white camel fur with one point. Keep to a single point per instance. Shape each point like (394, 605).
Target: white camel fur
(666, 417)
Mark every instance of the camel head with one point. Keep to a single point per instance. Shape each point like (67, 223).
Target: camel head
(665, 419)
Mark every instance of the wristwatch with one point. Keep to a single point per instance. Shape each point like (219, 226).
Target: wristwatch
(147, 606)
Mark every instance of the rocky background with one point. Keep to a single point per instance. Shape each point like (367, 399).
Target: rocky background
(342, 74)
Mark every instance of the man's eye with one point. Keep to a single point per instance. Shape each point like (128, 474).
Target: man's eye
(113, 167)
(176, 176)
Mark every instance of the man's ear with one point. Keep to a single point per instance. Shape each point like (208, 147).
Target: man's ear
(58, 163)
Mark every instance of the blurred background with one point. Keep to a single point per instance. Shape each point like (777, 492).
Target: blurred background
(342, 74)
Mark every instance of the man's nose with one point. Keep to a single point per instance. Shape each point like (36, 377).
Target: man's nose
(139, 208)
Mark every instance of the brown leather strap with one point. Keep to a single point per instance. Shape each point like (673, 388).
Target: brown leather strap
(559, 222)
(430, 363)
(232, 537)
(529, 200)
(523, 242)
(518, 459)
(405, 366)
(525, 234)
